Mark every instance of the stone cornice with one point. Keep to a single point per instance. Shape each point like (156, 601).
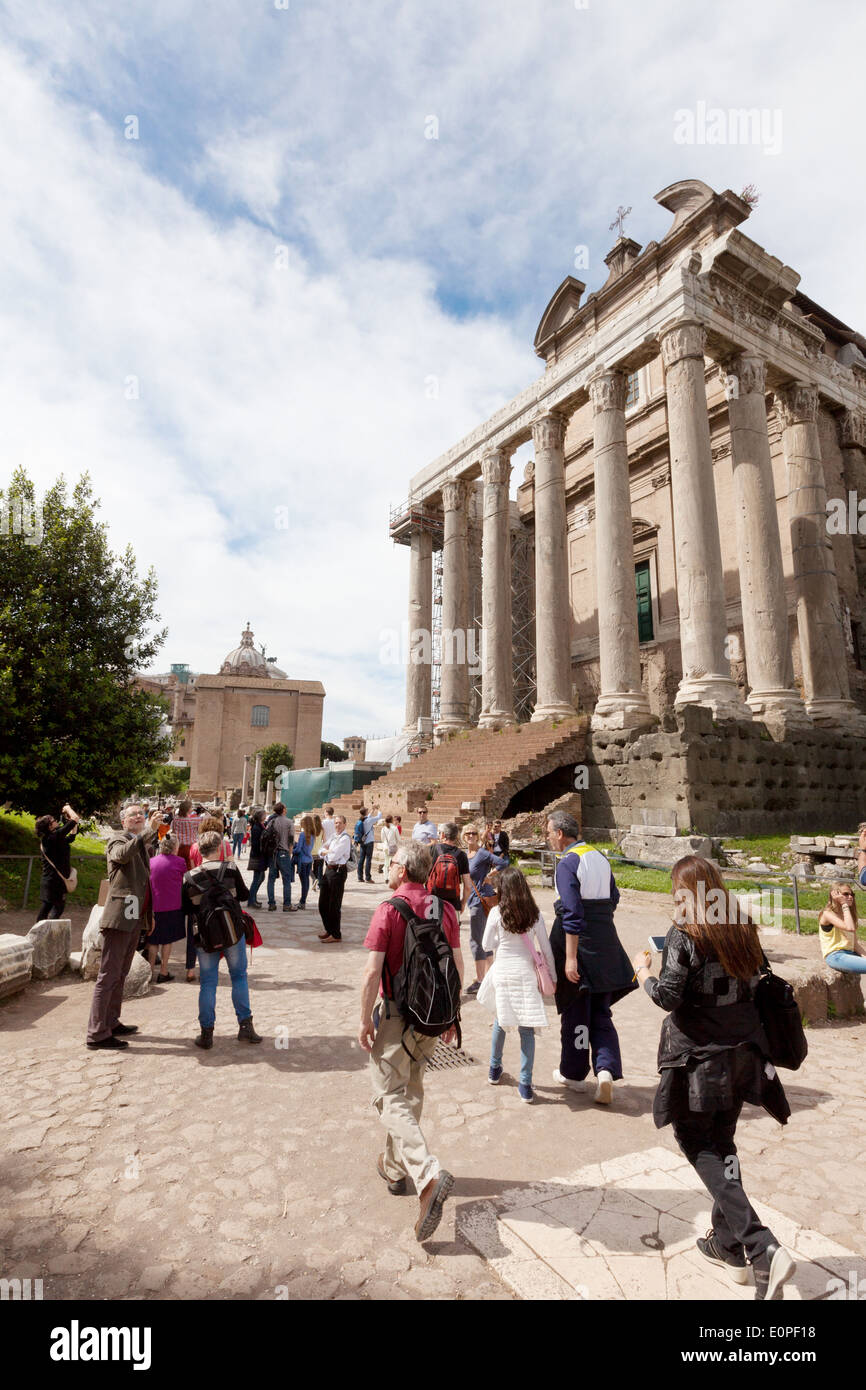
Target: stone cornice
(698, 287)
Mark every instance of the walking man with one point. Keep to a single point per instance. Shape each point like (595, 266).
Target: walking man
(281, 863)
(398, 1055)
(336, 856)
(593, 971)
(127, 909)
(366, 832)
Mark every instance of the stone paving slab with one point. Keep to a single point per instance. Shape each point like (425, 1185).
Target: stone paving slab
(626, 1230)
(249, 1173)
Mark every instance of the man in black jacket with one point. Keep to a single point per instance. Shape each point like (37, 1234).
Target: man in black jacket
(55, 838)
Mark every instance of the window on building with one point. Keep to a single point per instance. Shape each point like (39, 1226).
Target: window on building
(644, 602)
(632, 390)
(261, 716)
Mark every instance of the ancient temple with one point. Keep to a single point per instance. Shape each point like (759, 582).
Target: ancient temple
(669, 544)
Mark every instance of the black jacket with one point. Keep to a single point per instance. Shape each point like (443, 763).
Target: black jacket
(713, 1052)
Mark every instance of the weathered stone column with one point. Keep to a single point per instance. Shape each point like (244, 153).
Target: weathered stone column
(552, 597)
(269, 796)
(852, 441)
(762, 578)
(257, 781)
(622, 703)
(418, 669)
(497, 674)
(245, 782)
(823, 653)
(700, 584)
(454, 684)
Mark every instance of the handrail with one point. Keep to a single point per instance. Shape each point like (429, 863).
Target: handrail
(30, 858)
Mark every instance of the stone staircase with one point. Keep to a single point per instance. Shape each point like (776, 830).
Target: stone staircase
(477, 765)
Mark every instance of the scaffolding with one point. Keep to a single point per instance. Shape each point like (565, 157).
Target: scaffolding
(523, 618)
(406, 517)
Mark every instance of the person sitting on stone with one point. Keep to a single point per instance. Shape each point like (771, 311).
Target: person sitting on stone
(55, 838)
(837, 931)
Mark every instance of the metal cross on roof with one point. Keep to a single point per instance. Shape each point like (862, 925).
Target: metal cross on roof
(621, 214)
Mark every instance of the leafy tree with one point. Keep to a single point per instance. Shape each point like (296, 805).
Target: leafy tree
(169, 780)
(273, 755)
(332, 754)
(74, 625)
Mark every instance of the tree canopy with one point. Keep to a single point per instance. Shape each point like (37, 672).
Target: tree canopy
(76, 622)
(332, 754)
(274, 755)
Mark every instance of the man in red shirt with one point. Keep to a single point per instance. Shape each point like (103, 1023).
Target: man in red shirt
(397, 1072)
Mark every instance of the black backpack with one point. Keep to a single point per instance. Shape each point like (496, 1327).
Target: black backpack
(426, 988)
(219, 915)
(270, 842)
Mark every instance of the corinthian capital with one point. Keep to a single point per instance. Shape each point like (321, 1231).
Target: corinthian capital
(684, 339)
(454, 494)
(796, 403)
(496, 468)
(548, 431)
(852, 429)
(607, 391)
(744, 375)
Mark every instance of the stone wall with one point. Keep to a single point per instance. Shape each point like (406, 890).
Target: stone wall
(726, 778)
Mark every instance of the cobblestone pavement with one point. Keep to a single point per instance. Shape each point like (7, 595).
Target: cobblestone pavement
(249, 1172)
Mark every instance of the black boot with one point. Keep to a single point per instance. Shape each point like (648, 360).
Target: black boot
(205, 1038)
(247, 1033)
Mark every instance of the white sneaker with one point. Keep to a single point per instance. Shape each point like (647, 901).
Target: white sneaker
(564, 1081)
(604, 1089)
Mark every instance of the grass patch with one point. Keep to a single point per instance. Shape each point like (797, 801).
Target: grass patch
(17, 836)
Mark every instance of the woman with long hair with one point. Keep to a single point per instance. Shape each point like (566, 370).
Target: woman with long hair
(714, 1056)
(510, 989)
(210, 825)
(304, 853)
(837, 931)
(318, 864)
(256, 863)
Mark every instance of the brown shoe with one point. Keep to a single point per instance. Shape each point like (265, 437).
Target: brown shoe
(432, 1201)
(396, 1188)
(328, 939)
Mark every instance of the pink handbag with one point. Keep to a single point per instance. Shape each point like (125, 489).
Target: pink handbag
(546, 986)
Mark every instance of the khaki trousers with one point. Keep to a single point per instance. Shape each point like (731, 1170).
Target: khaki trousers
(398, 1096)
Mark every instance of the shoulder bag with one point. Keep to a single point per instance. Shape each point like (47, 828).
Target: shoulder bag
(780, 1017)
(546, 985)
(71, 883)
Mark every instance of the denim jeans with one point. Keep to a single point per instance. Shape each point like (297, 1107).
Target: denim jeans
(237, 841)
(282, 865)
(208, 970)
(527, 1050)
(258, 880)
(365, 861)
(304, 871)
(847, 960)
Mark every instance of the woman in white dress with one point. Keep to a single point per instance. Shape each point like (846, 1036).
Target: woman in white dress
(510, 989)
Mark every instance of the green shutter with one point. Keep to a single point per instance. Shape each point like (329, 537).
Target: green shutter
(644, 602)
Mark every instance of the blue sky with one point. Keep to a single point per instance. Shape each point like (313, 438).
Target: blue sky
(234, 317)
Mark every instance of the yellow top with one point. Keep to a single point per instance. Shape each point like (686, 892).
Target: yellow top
(833, 939)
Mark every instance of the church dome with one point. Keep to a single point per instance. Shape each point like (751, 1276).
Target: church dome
(275, 673)
(245, 660)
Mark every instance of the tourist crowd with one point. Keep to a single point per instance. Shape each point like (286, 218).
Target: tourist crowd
(174, 876)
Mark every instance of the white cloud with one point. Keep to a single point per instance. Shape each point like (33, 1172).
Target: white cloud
(304, 386)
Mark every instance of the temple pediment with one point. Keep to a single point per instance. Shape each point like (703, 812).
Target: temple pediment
(562, 308)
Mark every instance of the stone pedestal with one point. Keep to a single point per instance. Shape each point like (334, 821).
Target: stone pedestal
(418, 669)
(552, 597)
(700, 583)
(497, 676)
(823, 653)
(454, 697)
(762, 579)
(621, 703)
(138, 981)
(50, 941)
(16, 963)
